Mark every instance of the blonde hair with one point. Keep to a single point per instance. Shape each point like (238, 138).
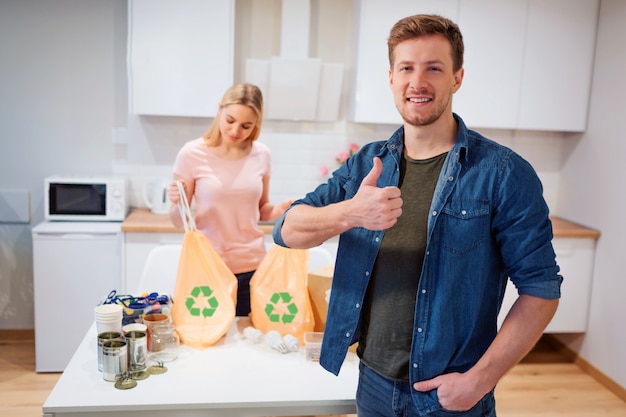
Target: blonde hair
(242, 93)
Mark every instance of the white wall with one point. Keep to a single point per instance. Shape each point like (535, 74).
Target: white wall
(592, 193)
(62, 84)
(63, 91)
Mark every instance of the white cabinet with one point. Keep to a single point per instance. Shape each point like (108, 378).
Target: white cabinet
(493, 34)
(138, 246)
(558, 64)
(575, 256)
(528, 63)
(180, 56)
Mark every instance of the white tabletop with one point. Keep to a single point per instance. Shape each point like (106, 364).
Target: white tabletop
(232, 378)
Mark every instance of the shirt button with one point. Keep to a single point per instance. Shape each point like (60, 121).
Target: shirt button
(357, 305)
(434, 213)
(463, 212)
(423, 291)
(347, 334)
(419, 330)
(377, 239)
(367, 273)
(450, 178)
(414, 365)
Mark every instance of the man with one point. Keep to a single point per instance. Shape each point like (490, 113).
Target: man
(432, 222)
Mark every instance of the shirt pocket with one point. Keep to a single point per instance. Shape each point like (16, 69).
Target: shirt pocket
(464, 225)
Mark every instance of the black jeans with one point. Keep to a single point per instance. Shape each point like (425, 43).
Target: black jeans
(243, 293)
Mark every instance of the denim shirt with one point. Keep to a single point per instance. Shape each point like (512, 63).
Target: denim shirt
(488, 221)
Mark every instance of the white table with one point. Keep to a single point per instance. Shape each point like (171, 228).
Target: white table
(232, 378)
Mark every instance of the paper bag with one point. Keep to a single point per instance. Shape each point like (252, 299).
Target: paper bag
(279, 299)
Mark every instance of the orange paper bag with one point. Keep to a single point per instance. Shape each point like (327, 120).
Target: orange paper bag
(279, 298)
(206, 290)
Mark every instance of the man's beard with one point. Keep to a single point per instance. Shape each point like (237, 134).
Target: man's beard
(425, 120)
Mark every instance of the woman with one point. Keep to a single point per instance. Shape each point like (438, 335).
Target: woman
(228, 173)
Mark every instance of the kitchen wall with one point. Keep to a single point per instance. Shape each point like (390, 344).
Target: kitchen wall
(63, 100)
(62, 89)
(591, 192)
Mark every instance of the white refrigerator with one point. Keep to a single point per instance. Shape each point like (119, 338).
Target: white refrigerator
(75, 266)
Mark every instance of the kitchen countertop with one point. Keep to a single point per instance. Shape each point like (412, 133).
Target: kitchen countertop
(565, 228)
(142, 220)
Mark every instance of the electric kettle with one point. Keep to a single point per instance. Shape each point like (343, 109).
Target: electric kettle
(155, 196)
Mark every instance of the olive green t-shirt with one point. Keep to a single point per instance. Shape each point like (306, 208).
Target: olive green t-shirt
(389, 305)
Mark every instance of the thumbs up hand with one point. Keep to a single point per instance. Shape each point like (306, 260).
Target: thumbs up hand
(375, 208)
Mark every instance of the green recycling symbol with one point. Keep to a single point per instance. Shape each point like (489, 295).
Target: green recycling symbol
(205, 304)
(281, 298)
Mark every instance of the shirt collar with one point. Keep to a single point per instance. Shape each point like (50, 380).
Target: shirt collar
(461, 148)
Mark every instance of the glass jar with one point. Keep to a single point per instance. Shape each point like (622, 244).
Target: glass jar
(164, 342)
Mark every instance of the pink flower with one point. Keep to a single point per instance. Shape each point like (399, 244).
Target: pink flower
(324, 170)
(342, 157)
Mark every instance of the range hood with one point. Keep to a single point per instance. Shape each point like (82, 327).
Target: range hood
(296, 86)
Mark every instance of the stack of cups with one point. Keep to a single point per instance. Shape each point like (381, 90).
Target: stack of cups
(108, 318)
(108, 326)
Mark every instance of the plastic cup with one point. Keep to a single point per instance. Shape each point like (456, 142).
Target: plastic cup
(108, 318)
(313, 345)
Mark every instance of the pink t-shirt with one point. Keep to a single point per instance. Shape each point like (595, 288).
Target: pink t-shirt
(227, 195)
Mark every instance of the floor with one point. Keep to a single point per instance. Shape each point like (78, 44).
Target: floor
(544, 384)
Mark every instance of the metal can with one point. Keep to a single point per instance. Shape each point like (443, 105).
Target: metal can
(137, 350)
(114, 360)
(103, 337)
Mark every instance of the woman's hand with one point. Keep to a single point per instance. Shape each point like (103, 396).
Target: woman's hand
(280, 208)
(172, 191)
(271, 212)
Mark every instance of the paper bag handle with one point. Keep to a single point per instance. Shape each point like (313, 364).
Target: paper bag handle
(183, 208)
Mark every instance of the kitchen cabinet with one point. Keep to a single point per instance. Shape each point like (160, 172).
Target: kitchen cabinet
(180, 56)
(575, 256)
(558, 64)
(137, 247)
(490, 93)
(528, 63)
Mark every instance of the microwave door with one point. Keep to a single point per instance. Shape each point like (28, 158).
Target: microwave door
(77, 199)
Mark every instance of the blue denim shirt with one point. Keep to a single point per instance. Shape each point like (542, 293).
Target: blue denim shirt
(488, 221)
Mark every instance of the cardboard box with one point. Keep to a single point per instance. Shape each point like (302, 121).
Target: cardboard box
(319, 282)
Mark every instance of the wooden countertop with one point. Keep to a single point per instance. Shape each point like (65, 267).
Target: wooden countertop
(565, 228)
(142, 220)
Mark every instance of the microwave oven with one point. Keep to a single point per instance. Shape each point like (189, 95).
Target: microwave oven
(85, 198)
